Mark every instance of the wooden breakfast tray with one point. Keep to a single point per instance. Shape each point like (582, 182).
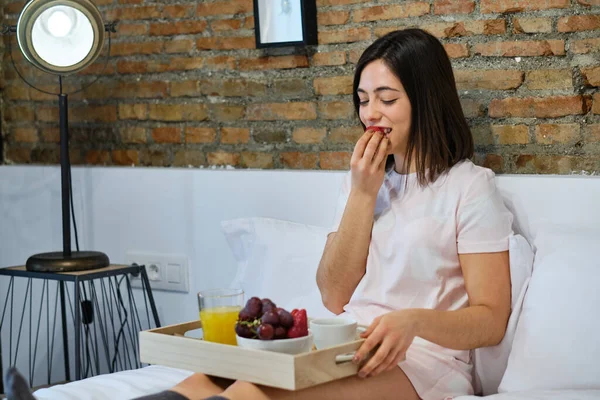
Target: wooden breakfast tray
(167, 346)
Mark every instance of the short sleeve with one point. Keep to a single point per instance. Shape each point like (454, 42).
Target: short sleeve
(484, 224)
(341, 203)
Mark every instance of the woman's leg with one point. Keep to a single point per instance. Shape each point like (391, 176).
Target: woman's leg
(389, 385)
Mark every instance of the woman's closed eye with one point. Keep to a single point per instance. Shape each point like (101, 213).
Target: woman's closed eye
(386, 102)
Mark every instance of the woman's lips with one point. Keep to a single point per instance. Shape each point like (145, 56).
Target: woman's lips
(381, 129)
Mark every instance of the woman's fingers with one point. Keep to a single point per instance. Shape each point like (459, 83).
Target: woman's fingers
(378, 358)
(359, 148)
(381, 155)
(372, 147)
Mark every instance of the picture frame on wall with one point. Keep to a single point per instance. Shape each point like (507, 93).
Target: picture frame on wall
(279, 23)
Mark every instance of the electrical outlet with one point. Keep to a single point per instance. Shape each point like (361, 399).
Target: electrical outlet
(165, 271)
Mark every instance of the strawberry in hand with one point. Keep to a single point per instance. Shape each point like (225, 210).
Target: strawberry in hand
(300, 327)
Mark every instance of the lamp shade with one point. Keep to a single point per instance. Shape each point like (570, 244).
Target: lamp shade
(60, 36)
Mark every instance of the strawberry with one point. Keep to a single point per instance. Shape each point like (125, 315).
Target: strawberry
(300, 327)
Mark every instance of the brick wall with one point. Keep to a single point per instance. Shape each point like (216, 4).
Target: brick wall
(185, 86)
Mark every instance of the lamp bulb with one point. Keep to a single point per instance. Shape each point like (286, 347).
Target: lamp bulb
(59, 24)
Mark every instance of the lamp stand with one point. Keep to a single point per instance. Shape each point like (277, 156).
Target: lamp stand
(66, 260)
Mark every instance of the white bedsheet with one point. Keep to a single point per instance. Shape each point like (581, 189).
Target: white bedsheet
(122, 385)
(540, 395)
(126, 385)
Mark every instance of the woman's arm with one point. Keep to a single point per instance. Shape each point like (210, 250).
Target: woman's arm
(344, 259)
(345, 256)
(482, 323)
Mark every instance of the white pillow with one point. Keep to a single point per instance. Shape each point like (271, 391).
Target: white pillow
(490, 362)
(556, 344)
(278, 259)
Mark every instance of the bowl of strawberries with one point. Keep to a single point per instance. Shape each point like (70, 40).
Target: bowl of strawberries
(262, 325)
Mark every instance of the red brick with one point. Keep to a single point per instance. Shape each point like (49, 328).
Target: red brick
(184, 88)
(441, 7)
(285, 111)
(226, 43)
(232, 87)
(14, 113)
(488, 79)
(549, 79)
(228, 7)
(222, 25)
(592, 133)
(324, 3)
(306, 135)
(186, 158)
(14, 8)
(126, 49)
(200, 135)
(177, 28)
(577, 23)
(335, 160)
(18, 155)
(557, 133)
(166, 135)
(178, 112)
(589, 3)
(510, 6)
(333, 85)
(345, 134)
(511, 134)
(532, 25)
(177, 11)
(220, 62)
(227, 112)
(596, 104)
(132, 134)
(97, 157)
(555, 164)
(299, 160)
(456, 50)
(25, 135)
(89, 113)
(329, 59)
(235, 135)
(179, 46)
(378, 13)
(521, 48)
(133, 111)
(336, 109)
(257, 159)
(472, 108)
(466, 28)
(539, 107)
(125, 157)
(591, 76)
(333, 17)
(348, 35)
(275, 62)
(133, 13)
(585, 46)
(136, 29)
(223, 158)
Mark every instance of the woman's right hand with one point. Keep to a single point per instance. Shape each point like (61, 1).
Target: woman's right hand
(367, 164)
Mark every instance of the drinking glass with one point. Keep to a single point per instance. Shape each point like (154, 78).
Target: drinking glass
(219, 309)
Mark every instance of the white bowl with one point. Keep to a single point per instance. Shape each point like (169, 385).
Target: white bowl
(289, 346)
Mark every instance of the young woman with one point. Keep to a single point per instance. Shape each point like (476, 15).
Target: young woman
(419, 248)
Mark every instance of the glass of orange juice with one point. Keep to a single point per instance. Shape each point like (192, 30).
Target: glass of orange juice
(219, 309)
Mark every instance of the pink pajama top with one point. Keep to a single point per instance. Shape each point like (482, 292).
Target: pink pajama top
(413, 261)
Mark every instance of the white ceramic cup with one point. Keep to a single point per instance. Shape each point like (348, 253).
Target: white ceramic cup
(330, 332)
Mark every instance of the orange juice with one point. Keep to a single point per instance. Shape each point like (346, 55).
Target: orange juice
(218, 324)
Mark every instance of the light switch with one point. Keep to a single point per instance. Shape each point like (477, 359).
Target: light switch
(173, 275)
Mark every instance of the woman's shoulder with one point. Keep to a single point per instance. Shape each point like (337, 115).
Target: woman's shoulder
(472, 180)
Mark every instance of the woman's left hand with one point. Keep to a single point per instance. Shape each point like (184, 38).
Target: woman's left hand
(394, 333)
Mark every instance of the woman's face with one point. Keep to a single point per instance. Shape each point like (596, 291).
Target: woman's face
(383, 102)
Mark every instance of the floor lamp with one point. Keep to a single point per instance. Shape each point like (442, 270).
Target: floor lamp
(62, 37)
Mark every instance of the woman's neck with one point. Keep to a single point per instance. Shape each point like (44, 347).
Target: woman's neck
(400, 164)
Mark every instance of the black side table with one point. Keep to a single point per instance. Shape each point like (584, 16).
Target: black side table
(103, 311)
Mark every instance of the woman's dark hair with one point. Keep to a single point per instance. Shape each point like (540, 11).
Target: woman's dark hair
(439, 131)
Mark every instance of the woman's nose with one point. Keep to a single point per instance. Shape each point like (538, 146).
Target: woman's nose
(372, 113)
